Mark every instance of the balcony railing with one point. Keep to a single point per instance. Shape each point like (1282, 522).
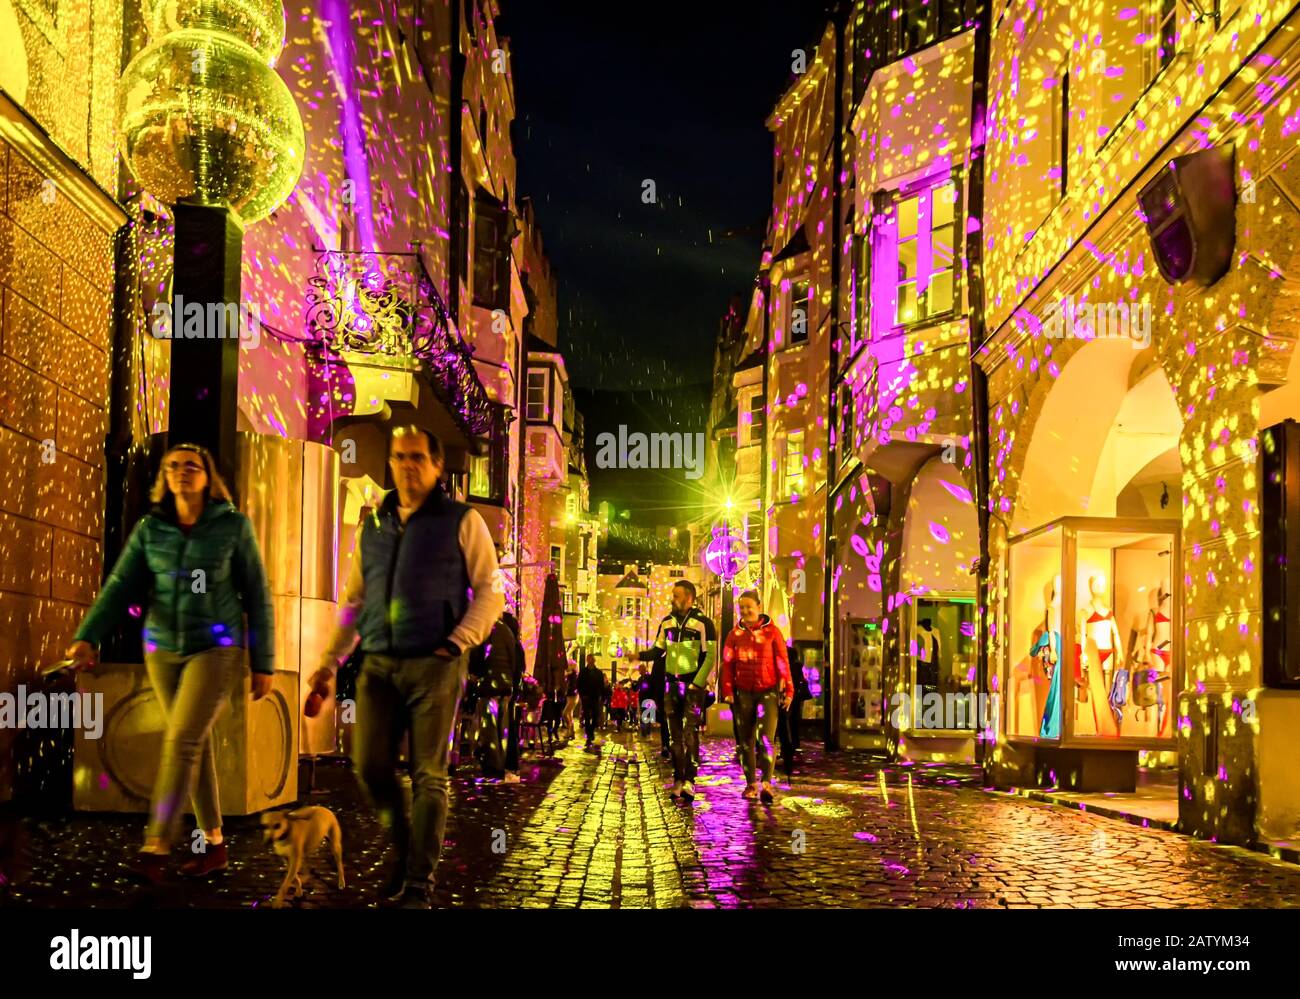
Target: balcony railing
(387, 304)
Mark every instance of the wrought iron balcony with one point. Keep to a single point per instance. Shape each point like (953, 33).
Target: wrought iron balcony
(387, 304)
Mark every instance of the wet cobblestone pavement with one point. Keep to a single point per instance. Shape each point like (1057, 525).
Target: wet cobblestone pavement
(595, 830)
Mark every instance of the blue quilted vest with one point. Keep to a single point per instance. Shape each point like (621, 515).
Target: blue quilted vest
(417, 584)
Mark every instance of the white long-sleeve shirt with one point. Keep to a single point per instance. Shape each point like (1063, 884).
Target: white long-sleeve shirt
(484, 609)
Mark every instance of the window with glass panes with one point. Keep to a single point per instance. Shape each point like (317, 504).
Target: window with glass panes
(800, 312)
(757, 416)
(863, 304)
(845, 445)
(793, 462)
(538, 384)
(1166, 33)
(480, 475)
(919, 240)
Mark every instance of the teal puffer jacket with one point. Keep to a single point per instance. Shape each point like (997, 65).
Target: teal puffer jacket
(196, 589)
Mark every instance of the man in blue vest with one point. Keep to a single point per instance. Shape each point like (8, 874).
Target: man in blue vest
(424, 590)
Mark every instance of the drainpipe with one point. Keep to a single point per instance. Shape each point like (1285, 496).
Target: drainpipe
(456, 99)
(982, 15)
(839, 16)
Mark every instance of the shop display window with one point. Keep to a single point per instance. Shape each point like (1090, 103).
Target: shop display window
(813, 671)
(1092, 632)
(863, 687)
(941, 658)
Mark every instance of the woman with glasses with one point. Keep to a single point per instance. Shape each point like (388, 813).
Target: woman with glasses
(193, 566)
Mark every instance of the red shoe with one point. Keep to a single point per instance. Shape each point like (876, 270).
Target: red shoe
(211, 861)
(150, 868)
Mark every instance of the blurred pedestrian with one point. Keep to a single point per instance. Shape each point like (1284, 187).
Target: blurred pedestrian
(492, 669)
(618, 706)
(194, 563)
(514, 715)
(591, 687)
(756, 682)
(787, 727)
(570, 700)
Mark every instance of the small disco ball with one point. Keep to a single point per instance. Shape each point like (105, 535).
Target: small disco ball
(205, 120)
(260, 23)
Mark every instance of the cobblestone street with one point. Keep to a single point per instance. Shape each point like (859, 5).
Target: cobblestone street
(594, 830)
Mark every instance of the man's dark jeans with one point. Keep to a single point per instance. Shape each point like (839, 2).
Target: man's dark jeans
(590, 716)
(419, 696)
(685, 711)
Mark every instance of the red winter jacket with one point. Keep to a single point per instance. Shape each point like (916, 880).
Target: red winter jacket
(755, 659)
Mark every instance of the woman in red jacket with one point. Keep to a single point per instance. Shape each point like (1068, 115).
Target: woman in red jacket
(755, 682)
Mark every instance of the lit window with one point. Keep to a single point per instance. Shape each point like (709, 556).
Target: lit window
(923, 246)
(538, 383)
(480, 476)
(794, 462)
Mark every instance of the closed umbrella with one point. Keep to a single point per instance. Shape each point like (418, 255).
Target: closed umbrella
(551, 663)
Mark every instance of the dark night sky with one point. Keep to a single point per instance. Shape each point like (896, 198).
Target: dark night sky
(678, 95)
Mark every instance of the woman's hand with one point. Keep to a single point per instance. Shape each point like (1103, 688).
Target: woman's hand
(83, 654)
(262, 685)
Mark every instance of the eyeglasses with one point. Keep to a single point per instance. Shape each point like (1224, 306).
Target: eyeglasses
(179, 466)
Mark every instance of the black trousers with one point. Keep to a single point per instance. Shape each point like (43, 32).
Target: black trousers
(787, 729)
(590, 716)
(512, 736)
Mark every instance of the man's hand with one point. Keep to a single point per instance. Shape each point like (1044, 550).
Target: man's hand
(786, 701)
(448, 651)
(262, 685)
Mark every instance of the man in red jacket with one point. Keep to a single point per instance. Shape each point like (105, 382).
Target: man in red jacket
(755, 682)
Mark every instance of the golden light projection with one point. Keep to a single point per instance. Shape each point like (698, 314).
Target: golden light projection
(205, 118)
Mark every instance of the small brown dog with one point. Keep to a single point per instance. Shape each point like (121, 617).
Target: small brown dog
(297, 836)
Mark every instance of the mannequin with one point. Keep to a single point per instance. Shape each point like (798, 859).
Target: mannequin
(1098, 630)
(927, 655)
(1157, 653)
(1048, 651)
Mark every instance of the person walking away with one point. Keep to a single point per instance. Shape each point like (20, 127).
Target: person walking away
(424, 590)
(570, 700)
(787, 726)
(591, 687)
(756, 681)
(514, 712)
(492, 667)
(194, 563)
(687, 642)
(555, 684)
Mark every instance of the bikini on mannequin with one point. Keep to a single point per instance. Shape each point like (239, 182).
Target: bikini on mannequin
(1098, 628)
(1048, 651)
